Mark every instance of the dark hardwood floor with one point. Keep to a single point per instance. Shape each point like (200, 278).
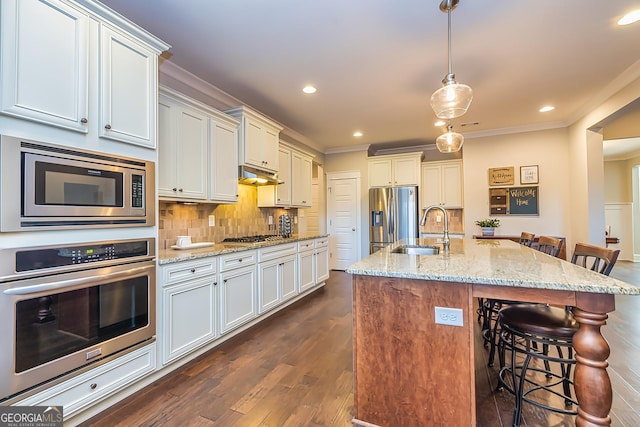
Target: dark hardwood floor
(295, 369)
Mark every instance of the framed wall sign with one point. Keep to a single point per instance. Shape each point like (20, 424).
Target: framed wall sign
(529, 174)
(523, 200)
(501, 176)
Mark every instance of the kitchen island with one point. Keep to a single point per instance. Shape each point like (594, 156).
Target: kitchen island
(408, 370)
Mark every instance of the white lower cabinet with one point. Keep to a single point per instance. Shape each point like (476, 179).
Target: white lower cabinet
(237, 290)
(97, 384)
(306, 265)
(276, 282)
(321, 254)
(189, 307)
(189, 319)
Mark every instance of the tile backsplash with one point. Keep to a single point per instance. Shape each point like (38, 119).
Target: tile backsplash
(456, 222)
(241, 219)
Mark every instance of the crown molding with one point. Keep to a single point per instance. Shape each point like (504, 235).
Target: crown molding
(349, 149)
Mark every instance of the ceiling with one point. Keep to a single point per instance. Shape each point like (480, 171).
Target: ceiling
(377, 62)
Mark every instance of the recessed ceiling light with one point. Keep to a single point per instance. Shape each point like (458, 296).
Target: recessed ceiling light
(357, 134)
(309, 89)
(630, 18)
(439, 123)
(546, 108)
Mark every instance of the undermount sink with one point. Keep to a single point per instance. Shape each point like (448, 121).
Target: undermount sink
(416, 250)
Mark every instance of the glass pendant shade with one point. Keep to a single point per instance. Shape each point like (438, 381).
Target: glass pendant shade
(452, 99)
(450, 142)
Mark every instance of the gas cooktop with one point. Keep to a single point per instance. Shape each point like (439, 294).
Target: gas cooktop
(253, 239)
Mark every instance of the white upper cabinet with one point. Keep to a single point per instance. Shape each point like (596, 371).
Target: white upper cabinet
(44, 53)
(258, 139)
(182, 150)
(297, 175)
(48, 49)
(394, 170)
(197, 151)
(223, 158)
(301, 177)
(128, 87)
(441, 184)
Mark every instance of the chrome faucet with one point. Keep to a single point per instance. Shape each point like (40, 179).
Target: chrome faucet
(445, 236)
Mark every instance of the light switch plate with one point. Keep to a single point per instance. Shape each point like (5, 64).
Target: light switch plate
(212, 220)
(449, 316)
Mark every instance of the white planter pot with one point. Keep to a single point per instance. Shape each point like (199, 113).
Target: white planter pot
(488, 231)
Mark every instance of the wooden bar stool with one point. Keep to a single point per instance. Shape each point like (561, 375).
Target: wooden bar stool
(549, 245)
(538, 332)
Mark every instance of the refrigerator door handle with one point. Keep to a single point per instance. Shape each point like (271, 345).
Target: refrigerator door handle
(391, 217)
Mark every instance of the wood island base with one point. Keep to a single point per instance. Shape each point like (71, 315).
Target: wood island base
(410, 371)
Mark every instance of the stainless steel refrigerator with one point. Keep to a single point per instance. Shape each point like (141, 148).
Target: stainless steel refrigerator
(393, 215)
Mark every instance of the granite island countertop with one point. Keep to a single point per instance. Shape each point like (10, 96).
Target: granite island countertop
(490, 262)
(170, 256)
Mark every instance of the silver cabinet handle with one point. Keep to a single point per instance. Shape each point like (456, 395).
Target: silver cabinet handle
(93, 386)
(107, 127)
(193, 270)
(83, 120)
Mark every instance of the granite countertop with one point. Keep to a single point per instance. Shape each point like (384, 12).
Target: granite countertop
(490, 262)
(170, 256)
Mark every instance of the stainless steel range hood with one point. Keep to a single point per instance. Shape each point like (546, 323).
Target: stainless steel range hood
(253, 176)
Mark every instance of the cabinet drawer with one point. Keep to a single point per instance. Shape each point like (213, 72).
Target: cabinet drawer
(85, 389)
(188, 270)
(237, 259)
(498, 210)
(273, 252)
(306, 245)
(322, 242)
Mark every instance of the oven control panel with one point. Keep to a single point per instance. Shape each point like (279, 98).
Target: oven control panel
(69, 255)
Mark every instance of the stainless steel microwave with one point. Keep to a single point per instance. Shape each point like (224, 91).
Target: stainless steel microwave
(46, 186)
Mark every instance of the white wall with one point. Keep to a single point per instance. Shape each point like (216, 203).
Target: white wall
(617, 182)
(549, 150)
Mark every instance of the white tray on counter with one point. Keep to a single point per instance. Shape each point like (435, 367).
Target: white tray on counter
(193, 246)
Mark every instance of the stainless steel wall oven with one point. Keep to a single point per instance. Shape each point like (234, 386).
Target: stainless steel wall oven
(45, 186)
(66, 308)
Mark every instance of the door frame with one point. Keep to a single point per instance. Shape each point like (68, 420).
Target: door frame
(355, 174)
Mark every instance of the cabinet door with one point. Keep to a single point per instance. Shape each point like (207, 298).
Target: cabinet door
(167, 147)
(322, 264)
(269, 285)
(431, 186)
(452, 185)
(191, 156)
(253, 146)
(128, 87)
(189, 317)
(406, 171)
(306, 265)
(271, 142)
(289, 277)
(237, 297)
(224, 162)
(301, 179)
(283, 191)
(380, 174)
(44, 61)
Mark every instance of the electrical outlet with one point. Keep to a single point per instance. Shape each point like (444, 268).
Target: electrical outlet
(295, 219)
(212, 220)
(449, 316)
(438, 218)
(270, 219)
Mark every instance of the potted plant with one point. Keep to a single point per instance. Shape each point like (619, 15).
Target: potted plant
(488, 225)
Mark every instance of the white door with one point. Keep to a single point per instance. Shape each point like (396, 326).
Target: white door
(343, 216)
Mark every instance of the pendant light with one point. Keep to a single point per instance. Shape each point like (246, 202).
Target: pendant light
(452, 99)
(449, 142)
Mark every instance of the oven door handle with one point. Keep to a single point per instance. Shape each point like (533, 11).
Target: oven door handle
(76, 283)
